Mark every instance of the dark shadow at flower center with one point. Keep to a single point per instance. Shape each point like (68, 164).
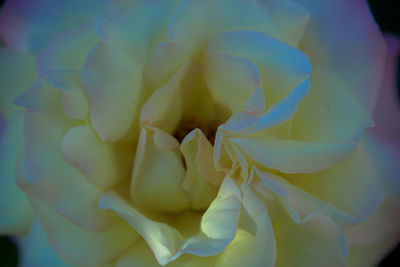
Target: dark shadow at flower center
(188, 125)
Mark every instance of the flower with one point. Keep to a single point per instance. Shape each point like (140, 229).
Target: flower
(201, 133)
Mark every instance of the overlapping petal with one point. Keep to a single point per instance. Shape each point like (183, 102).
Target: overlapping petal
(28, 26)
(352, 46)
(217, 227)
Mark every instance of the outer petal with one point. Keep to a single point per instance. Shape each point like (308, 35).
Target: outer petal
(355, 175)
(48, 174)
(113, 72)
(17, 73)
(15, 211)
(68, 51)
(387, 110)
(28, 26)
(36, 250)
(333, 37)
(316, 241)
(80, 246)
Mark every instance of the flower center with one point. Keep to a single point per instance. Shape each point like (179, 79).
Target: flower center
(188, 125)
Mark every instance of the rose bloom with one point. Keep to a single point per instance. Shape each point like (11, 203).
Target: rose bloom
(198, 133)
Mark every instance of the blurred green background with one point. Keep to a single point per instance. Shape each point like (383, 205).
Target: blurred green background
(387, 16)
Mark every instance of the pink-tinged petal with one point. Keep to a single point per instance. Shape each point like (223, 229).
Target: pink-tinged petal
(217, 227)
(195, 22)
(201, 178)
(114, 87)
(17, 73)
(315, 241)
(104, 164)
(158, 173)
(338, 185)
(80, 246)
(387, 110)
(381, 231)
(36, 250)
(49, 176)
(15, 211)
(29, 25)
(343, 36)
(68, 51)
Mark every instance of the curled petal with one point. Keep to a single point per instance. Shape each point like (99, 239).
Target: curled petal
(158, 173)
(217, 227)
(195, 22)
(201, 178)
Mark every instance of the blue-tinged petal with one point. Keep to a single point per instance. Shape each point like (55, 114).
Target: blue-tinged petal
(29, 25)
(17, 73)
(81, 246)
(36, 250)
(195, 22)
(15, 211)
(68, 51)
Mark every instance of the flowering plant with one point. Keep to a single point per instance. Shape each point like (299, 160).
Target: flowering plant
(197, 132)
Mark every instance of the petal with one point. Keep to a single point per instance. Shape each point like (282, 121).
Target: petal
(338, 185)
(68, 51)
(80, 246)
(297, 202)
(15, 211)
(17, 73)
(37, 251)
(315, 241)
(113, 85)
(164, 107)
(74, 101)
(102, 163)
(231, 80)
(158, 173)
(381, 229)
(360, 47)
(217, 227)
(195, 22)
(254, 245)
(28, 26)
(278, 74)
(387, 110)
(50, 177)
(201, 178)
(330, 112)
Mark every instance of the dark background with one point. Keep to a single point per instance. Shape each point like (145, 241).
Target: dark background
(387, 16)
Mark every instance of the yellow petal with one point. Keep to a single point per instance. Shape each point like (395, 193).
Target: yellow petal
(158, 173)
